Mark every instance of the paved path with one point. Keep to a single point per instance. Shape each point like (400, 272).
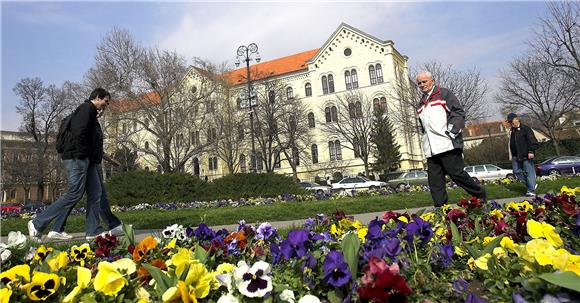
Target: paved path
(364, 218)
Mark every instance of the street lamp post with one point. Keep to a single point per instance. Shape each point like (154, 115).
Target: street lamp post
(245, 53)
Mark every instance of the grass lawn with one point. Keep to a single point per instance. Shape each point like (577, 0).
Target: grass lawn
(159, 219)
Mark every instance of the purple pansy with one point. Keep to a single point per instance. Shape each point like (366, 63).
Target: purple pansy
(336, 271)
(295, 246)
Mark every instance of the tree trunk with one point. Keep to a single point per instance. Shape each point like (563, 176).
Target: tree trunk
(556, 145)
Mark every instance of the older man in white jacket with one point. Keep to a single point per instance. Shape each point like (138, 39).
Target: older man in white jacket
(442, 118)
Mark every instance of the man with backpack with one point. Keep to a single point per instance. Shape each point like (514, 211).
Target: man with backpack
(78, 151)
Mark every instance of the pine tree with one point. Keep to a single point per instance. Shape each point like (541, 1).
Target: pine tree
(385, 149)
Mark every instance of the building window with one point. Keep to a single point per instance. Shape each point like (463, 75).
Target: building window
(146, 144)
(241, 133)
(195, 138)
(330, 84)
(324, 85)
(296, 156)
(311, 122)
(335, 150)
(358, 109)
(213, 163)
(277, 161)
(372, 75)
(260, 161)
(380, 105)
(211, 135)
(289, 93)
(243, 163)
(308, 90)
(271, 96)
(314, 151)
(331, 114)
(347, 80)
(354, 78)
(379, 73)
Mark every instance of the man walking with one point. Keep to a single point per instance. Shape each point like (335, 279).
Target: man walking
(442, 118)
(523, 143)
(78, 155)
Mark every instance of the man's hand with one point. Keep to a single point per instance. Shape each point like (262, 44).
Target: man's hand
(530, 156)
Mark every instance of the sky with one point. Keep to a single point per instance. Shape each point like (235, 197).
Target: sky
(56, 41)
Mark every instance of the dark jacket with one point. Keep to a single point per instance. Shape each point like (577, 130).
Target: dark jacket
(442, 117)
(98, 144)
(82, 143)
(522, 142)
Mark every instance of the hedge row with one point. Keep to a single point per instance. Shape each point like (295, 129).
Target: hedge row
(131, 188)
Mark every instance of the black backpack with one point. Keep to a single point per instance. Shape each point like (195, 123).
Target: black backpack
(63, 133)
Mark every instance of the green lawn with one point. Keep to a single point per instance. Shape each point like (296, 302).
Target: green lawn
(159, 219)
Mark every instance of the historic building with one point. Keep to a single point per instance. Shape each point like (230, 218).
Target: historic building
(350, 60)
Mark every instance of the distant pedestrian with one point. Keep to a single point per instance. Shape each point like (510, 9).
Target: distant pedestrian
(78, 158)
(328, 181)
(442, 117)
(523, 144)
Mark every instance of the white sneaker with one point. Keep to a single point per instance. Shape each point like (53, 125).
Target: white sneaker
(59, 236)
(117, 231)
(32, 231)
(531, 194)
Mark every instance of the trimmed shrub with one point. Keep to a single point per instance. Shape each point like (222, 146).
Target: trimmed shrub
(254, 185)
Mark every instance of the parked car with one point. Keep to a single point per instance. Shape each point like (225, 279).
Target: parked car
(356, 183)
(559, 165)
(488, 172)
(319, 189)
(418, 177)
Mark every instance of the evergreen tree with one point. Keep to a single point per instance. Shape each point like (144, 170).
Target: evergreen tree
(385, 149)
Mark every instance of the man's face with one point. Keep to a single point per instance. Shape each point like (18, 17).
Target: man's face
(516, 122)
(101, 103)
(425, 83)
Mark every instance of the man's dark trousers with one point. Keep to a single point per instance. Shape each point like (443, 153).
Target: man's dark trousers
(450, 163)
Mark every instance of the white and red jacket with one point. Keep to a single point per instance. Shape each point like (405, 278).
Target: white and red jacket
(442, 118)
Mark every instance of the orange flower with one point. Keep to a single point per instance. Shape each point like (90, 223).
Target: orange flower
(239, 237)
(143, 248)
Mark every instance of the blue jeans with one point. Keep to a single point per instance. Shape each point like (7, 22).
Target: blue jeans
(105, 209)
(79, 173)
(525, 172)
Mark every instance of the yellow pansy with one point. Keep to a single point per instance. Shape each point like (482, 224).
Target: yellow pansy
(11, 275)
(57, 262)
(499, 252)
(197, 277)
(180, 293)
(569, 191)
(445, 208)
(403, 219)
(508, 243)
(357, 224)
(481, 262)
(474, 240)
(541, 250)
(560, 259)
(496, 213)
(544, 230)
(440, 232)
(5, 294)
(83, 280)
(171, 244)
(183, 255)
(110, 278)
(335, 231)
(362, 233)
(471, 263)
(225, 268)
(81, 253)
(42, 286)
(142, 295)
(459, 251)
(573, 264)
(41, 253)
(428, 217)
(486, 240)
(535, 229)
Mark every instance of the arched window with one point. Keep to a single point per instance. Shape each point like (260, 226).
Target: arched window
(314, 151)
(354, 78)
(324, 85)
(308, 89)
(311, 122)
(373, 75)
(292, 124)
(296, 156)
(289, 93)
(327, 114)
(330, 84)
(242, 163)
(260, 161)
(146, 145)
(379, 73)
(351, 110)
(334, 113)
(384, 104)
(338, 149)
(347, 80)
(358, 110)
(380, 105)
(331, 150)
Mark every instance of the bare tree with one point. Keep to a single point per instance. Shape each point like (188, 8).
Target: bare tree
(535, 88)
(354, 121)
(162, 101)
(232, 123)
(42, 108)
(557, 42)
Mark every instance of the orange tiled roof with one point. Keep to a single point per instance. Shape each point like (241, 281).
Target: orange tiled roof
(276, 67)
(127, 105)
(481, 129)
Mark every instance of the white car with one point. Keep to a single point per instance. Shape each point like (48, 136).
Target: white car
(488, 172)
(356, 183)
(319, 189)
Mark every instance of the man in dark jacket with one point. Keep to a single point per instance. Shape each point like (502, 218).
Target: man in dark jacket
(442, 117)
(79, 155)
(523, 143)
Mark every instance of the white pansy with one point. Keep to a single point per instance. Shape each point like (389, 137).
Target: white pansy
(228, 298)
(253, 282)
(309, 299)
(5, 253)
(225, 280)
(16, 239)
(287, 295)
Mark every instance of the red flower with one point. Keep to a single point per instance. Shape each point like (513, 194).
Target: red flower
(456, 216)
(387, 216)
(382, 283)
(500, 227)
(472, 203)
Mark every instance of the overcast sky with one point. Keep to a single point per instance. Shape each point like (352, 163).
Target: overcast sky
(56, 41)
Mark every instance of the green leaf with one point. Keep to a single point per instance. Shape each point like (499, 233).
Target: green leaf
(184, 273)
(200, 253)
(334, 296)
(88, 298)
(128, 229)
(491, 245)
(159, 276)
(565, 279)
(350, 246)
(456, 236)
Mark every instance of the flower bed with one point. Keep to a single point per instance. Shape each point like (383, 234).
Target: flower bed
(521, 252)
